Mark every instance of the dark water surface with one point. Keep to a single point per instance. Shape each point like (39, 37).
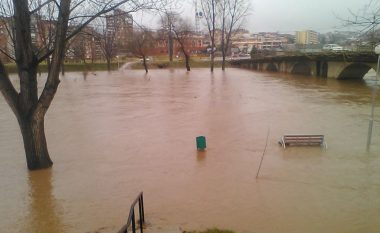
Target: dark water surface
(113, 135)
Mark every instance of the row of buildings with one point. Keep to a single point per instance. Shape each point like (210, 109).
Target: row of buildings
(113, 37)
(91, 43)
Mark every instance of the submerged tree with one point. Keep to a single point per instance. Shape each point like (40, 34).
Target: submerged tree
(232, 13)
(182, 33)
(142, 42)
(209, 8)
(26, 103)
(107, 40)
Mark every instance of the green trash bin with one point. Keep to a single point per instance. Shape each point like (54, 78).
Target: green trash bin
(201, 143)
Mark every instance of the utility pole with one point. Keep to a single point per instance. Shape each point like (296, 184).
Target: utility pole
(374, 89)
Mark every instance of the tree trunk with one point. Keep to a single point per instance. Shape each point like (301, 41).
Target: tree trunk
(187, 62)
(108, 64)
(223, 61)
(63, 68)
(212, 61)
(223, 37)
(170, 45)
(33, 133)
(145, 65)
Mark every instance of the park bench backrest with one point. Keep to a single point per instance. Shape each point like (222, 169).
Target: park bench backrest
(303, 140)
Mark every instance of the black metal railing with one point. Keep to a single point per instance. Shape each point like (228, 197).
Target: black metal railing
(132, 219)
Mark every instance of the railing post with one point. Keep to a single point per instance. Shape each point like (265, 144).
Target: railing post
(140, 215)
(132, 217)
(142, 208)
(133, 222)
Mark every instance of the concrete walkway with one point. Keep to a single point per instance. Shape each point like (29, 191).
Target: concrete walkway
(128, 65)
(169, 229)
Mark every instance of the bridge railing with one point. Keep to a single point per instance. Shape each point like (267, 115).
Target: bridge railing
(131, 221)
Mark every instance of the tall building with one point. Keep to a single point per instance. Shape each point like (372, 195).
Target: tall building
(307, 37)
(198, 16)
(119, 25)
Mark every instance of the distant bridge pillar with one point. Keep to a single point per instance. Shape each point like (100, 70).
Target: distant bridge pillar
(313, 68)
(282, 67)
(322, 68)
(261, 66)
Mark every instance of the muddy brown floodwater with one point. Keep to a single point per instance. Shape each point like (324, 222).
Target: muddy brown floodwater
(112, 135)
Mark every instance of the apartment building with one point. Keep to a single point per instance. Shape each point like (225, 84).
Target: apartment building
(261, 41)
(119, 25)
(307, 37)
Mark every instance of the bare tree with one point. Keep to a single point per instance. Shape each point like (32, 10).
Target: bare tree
(232, 14)
(209, 8)
(78, 47)
(28, 106)
(367, 20)
(166, 32)
(107, 38)
(183, 32)
(177, 29)
(142, 42)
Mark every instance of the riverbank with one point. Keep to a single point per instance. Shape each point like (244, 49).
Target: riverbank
(154, 63)
(161, 64)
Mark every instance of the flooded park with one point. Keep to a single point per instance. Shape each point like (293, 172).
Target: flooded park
(113, 135)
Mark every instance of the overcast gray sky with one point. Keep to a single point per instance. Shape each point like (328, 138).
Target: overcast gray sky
(286, 16)
(292, 15)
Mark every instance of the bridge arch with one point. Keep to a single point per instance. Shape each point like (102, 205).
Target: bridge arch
(354, 71)
(301, 68)
(272, 67)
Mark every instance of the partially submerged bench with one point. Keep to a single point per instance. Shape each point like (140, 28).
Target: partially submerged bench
(303, 140)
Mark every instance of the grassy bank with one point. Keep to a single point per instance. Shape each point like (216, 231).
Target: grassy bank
(161, 64)
(70, 67)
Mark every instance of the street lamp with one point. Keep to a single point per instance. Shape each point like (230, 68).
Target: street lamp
(377, 51)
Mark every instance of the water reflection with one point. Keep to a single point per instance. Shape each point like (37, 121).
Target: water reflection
(43, 209)
(85, 74)
(201, 155)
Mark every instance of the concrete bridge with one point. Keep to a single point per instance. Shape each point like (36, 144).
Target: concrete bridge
(345, 65)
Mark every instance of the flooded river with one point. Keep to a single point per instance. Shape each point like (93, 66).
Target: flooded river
(113, 135)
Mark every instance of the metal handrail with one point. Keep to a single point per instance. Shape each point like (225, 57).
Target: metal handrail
(131, 217)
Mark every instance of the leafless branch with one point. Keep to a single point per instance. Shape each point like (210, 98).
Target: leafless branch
(8, 90)
(40, 6)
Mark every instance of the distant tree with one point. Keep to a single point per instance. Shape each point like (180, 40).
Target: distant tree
(254, 52)
(78, 46)
(210, 8)
(141, 44)
(166, 33)
(322, 39)
(182, 33)
(367, 20)
(27, 104)
(232, 13)
(107, 38)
